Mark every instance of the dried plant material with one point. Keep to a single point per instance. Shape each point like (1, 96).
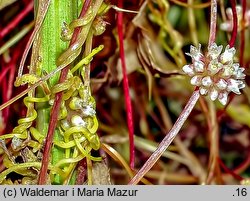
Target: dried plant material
(149, 47)
(152, 56)
(114, 139)
(101, 174)
(133, 64)
(5, 3)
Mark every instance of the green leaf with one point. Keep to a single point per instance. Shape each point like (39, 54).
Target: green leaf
(240, 113)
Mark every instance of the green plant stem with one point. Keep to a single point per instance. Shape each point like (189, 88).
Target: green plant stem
(78, 39)
(167, 139)
(51, 46)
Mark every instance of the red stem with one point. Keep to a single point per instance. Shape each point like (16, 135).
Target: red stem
(3, 82)
(242, 37)
(167, 139)
(232, 42)
(227, 170)
(244, 165)
(81, 172)
(233, 39)
(17, 19)
(7, 76)
(235, 24)
(3, 73)
(9, 91)
(56, 108)
(126, 87)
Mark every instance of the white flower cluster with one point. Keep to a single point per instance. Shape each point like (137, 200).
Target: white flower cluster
(228, 24)
(215, 74)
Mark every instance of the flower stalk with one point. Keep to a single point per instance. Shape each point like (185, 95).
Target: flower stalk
(167, 139)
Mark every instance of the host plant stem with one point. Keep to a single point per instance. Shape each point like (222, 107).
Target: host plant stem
(50, 47)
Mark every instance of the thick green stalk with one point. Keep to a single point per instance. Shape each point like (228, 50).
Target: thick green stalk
(50, 47)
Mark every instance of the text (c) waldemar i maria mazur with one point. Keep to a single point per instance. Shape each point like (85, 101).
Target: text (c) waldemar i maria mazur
(107, 192)
(78, 192)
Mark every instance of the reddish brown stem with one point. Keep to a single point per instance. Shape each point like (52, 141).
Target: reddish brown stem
(56, 108)
(17, 19)
(81, 172)
(235, 24)
(167, 139)
(126, 87)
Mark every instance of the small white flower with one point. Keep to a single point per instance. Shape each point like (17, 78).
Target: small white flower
(195, 53)
(221, 84)
(214, 50)
(238, 72)
(214, 66)
(214, 94)
(235, 85)
(198, 66)
(76, 120)
(207, 81)
(188, 69)
(196, 80)
(216, 75)
(203, 91)
(223, 98)
(88, 111)
(228, 70)
(227, 55)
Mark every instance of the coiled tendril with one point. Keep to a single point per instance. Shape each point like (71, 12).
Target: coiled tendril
(77, 122)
